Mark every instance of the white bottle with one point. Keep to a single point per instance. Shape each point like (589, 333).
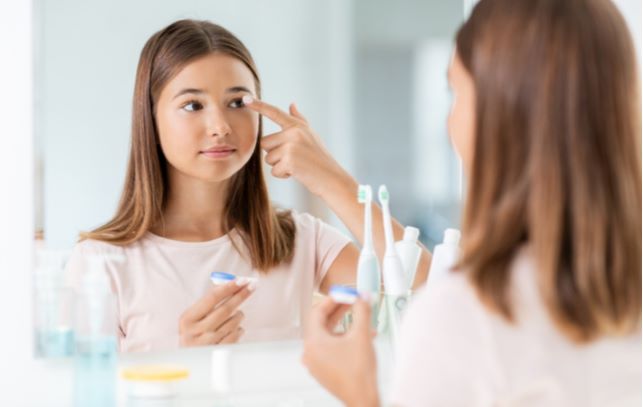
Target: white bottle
(445, 255)
(54, 305)
(409, 252)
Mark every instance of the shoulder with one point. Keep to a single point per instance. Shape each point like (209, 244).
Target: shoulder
(304, 220)
(98, 246)
(87, 248)
(309, 225)
(77, 264)
(91, 247)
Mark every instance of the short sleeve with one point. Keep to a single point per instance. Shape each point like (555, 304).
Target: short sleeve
(328, 242)
(440, 354)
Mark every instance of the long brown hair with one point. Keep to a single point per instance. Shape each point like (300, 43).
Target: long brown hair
(269, 235)
(556, 163)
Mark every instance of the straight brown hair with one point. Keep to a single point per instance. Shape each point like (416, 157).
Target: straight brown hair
(269, 235)
(557, 163)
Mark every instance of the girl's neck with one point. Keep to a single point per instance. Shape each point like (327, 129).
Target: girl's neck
(193, 211)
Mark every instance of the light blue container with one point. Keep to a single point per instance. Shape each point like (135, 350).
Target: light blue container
(55, 342)
(95, 372)
(96, 326)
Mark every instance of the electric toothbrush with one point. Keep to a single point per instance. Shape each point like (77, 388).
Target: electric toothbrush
(368, 267)
(395, 287)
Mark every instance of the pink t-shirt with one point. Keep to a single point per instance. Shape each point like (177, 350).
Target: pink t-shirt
(453, 351)
(160, 278)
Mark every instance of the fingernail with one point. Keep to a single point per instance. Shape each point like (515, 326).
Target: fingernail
(241, 281)
(252, 286)
(247, 99)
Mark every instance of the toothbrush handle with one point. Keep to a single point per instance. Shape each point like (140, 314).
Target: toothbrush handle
(339, 196)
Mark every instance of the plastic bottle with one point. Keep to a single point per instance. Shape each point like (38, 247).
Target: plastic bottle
(54, 305)
(445, 255)
(409, 252)
(96, 325)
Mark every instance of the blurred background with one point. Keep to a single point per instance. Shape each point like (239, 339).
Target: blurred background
(370, 75)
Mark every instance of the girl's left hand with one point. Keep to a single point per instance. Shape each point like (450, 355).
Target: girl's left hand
(296, 150)
(344, 364)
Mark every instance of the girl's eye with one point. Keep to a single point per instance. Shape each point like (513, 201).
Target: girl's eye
(192, 106)
(236, 103)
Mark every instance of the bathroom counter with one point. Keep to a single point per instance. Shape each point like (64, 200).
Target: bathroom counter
(259, 374)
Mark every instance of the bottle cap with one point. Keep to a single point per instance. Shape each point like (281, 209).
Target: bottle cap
(411, 233)
(452, 236)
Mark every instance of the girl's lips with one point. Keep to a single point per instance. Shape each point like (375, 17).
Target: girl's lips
(218, 153)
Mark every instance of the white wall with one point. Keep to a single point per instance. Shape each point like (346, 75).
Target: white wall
(403, 103)
(17, 200)
(631, 10)
(88, 51)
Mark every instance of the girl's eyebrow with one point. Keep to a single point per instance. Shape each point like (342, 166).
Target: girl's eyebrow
(189, 90)
(234, 89)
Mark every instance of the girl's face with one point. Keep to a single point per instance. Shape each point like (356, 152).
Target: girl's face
(461, 122)
(205, 131)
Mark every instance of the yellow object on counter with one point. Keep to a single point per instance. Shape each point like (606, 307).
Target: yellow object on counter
(155, 373)
(153, 381)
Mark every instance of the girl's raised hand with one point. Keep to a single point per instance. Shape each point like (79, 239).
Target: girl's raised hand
(296, 150)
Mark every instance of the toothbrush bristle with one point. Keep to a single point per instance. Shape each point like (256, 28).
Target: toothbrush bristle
(364, 193)
(361, 194)
(383, 192)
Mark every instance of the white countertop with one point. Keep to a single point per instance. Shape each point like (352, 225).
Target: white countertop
(258, 374)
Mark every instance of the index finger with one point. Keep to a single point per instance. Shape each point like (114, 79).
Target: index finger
(275, 114)
(214, 296)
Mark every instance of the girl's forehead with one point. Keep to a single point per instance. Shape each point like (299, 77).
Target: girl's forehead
(213, 72)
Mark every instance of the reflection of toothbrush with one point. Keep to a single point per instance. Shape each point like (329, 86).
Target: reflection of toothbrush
(395, 288)
(368, 268)
(394, 279)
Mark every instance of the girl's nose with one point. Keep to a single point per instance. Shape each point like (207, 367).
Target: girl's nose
(218, 125)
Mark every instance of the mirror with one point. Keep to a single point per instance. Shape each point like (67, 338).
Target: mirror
(370, 76)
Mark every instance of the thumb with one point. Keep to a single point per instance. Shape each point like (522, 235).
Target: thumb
(295, 112)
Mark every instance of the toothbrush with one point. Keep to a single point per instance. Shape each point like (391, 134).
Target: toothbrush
(393, 271)
(395, 288)
(368, 267)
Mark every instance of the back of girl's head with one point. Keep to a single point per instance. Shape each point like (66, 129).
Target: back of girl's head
(268, 235)
(556, 162)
